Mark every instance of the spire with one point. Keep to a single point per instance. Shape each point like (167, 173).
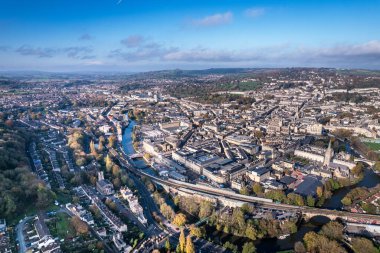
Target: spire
(328, 155)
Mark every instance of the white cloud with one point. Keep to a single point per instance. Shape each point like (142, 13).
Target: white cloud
(133, 41)
(92, 63)
(254, 12)
(214, 20)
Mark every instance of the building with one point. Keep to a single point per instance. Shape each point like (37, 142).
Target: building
(134, 205)
(309, 186)
(46, 244)
(104, 186)
(314, 129)
(259, 174)
(82, 213)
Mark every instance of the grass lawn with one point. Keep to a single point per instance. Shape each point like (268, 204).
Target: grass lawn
(60, 227)
(373, 146)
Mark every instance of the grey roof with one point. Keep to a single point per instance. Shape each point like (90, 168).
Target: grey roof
(308, 186)
(287, 180)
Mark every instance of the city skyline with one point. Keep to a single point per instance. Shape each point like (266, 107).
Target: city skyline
(133, 36)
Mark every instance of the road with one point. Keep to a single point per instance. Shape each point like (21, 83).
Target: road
(20, 234)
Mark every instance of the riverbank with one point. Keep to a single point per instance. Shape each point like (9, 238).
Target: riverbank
(370, 179)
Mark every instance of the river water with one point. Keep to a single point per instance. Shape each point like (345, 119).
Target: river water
(370, 179)
(127, 145)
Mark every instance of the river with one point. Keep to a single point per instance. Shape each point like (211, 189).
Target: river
(127, 145)
(370, 179)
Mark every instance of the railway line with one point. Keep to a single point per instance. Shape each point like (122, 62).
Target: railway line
(262, 202)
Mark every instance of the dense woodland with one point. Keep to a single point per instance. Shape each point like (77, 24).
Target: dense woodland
(19, 187)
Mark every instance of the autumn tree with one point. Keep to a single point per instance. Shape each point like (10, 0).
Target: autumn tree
(109, 163)
(93, 149)
(319, 243)
(319, 191)
(167, 211)
(244, 190)
(333, 230)
(257, 189)
(167, 245)
(197, 231)
(363, 245)
(249, 247)
(79, 225)
(205, 209)
(115, 170)
(179, 219)
(182, 241)
(101, 143)
(189, 245)
(299, 247)
(111, 141)
(250, 232)
(310, 201)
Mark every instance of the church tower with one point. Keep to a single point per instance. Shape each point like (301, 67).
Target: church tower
(328, 155)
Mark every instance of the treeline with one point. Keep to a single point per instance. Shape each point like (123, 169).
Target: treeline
(331, 239)
(19, 187)
(237, 223)
(201, 89)
(358, 194)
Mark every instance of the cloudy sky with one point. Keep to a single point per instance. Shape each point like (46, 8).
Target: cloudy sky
(140, 35)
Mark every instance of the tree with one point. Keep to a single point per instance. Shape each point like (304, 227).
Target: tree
(250, 232)
(244, 190)
(319, 243)
(363, 245)
(249, 247)
(299, 247)
(319, 191)
(276, 195)
(346, 201)
(333, 230)
(101, 143)
(45, 197)
(205, 209)
(93, 149)
(182, 242)
(115, 170)
(147, 156)
(197, 231)
(79, 225)
(295, 199)
(310, 201)
(111, 141)
(358, 169)
(179, 219)
(257, 189)
(189, 245)
(109, 163)
(231, 246)
(167, 245)
(167, 211)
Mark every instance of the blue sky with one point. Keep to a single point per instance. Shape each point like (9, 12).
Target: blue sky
(136, 35)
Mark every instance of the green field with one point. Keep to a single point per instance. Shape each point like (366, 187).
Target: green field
(373, 146)
(60, 226)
